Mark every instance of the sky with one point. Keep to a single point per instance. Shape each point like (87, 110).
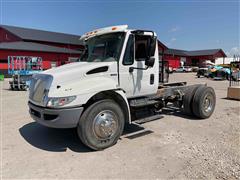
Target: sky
(180, 24)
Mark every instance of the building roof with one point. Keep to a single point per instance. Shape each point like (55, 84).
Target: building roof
(162, 45)
(184, 53)
(41, 35)
(207, 52)
(176, 52)
(29, 46)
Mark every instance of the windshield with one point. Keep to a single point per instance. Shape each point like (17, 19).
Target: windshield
(103, 48)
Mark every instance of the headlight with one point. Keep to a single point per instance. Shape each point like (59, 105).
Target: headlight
(61, 101)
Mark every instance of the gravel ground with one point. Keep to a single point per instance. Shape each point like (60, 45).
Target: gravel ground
(173, 147)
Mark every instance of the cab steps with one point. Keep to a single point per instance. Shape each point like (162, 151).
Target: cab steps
(147, 119)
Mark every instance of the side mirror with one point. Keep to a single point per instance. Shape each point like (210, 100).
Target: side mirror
(150, 62)
(152, 46)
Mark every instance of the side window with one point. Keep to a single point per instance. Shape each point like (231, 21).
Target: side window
(128, 58)
(142, 44)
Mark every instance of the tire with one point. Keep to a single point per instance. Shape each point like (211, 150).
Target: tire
(101, 124)
(188, 99)
(204, 102)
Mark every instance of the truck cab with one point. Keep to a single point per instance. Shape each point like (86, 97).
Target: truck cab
(114, 82)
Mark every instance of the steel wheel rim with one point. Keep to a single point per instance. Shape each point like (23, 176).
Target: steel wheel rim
(105, 125)
(208, 103)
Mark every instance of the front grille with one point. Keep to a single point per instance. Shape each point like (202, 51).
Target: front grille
(39, 88)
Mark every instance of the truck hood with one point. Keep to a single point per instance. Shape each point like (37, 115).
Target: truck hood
(77, 71)
(80, 78)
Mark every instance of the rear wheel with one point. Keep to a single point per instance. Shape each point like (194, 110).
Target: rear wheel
(101, 124)
(188, 99)
(204, 102)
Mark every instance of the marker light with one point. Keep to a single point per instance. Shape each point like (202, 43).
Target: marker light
(103, 31)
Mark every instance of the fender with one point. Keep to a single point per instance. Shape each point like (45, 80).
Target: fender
(123, 95)
(118, 96)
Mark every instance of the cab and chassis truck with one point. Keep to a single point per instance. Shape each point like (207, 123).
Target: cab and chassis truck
(118, 80)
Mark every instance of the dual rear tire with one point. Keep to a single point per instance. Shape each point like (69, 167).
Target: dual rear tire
(199, 101)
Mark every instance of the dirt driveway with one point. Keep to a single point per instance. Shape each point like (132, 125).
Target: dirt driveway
(175, 146)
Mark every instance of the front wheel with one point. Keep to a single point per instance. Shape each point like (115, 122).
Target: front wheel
(101, 124)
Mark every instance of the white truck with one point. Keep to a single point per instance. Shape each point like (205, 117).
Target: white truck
(115, 82)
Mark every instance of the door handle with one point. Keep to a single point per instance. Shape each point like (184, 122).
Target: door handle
(151, 79)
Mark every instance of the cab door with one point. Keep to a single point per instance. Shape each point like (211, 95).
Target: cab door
(140, 81)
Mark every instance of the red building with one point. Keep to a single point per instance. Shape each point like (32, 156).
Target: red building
(54, 48)
(176, 57)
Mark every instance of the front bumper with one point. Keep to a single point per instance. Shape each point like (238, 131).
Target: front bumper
(56, 118)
